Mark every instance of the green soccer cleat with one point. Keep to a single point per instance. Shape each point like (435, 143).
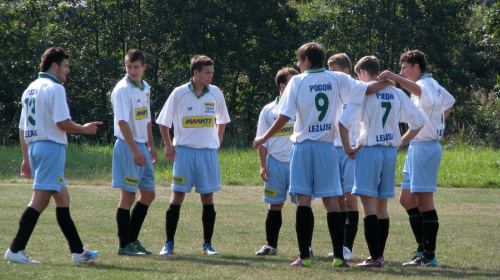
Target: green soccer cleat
(129, 250)
(141, 248)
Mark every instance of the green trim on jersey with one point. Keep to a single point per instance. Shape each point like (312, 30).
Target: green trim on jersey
(190, 86)
(425, 76)
(315, 70)
(46, 75)
(135, 84)
(277, 100)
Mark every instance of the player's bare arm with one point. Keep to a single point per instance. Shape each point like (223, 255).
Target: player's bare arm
(169, 148)
(377, 86)
(447, 113)
(139, 157)
(264, 170)
(220, 132)
(25, 165)
(72, 127)
(409, 85)
(344, 135)
(278, 124)
(408, 136)
(151, 145)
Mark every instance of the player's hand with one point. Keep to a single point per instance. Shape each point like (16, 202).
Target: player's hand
(26, 169)
(170, 153)
(154, 155)
(139, 158)
(351, 152)
(264, 173)
(257, 142)
(91, 127)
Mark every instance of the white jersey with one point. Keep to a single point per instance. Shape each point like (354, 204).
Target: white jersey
(316, 98)
(433, 101)
(279, 145)
(380, 115)
(131, 104)
(354, 131)
(195, 117)
(43, 106)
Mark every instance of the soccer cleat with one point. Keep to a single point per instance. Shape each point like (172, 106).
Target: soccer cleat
(137, 244)
(168, 249)
(208, 250)
(311, 253)
(85, 256)
(422, 261)
(340, 263)
(266, 251)
(330, 254)
(348, 255)
(129, 250)
(19, 257)
(378, 263)
(302, 262)
(416, 254)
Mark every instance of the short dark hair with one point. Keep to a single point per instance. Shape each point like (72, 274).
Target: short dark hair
(198, 61)
(54, 54)
(368, 63)
(415, 56)
(135, 55)
(342, 60)
(283, 74)
(315, 52)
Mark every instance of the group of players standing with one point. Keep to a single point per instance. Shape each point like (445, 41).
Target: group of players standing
(321, 121)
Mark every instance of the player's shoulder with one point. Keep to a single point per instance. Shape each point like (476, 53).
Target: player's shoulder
(214, 89)
(122, 84)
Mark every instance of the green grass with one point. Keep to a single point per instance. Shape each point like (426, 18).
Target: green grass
(468, 241)
(462, 166)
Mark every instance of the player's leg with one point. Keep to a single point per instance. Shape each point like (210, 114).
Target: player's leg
(172, 214)
(65, 221)
(351, 225)
(126, 247)
(208, 220)
(430, 223)
(137, 217)
(371, 225)
(304, 224)
(383, 220)
(335, 225)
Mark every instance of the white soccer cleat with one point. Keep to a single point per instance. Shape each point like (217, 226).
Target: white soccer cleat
(85, 256)
(19, 257)
(348, 255)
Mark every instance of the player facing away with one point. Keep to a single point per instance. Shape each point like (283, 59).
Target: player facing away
(424, 154)
(134, 153)
(376, 152)
(44, 122)
(314, 98)
(274, 157)
(197, 110)
(348, 203)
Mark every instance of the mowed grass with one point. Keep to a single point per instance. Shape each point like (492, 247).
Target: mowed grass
(468, 241)
(462, 166)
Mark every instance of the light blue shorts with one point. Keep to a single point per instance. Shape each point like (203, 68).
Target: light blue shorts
(314, 169)
(126, 174)
(375, 171)
(199, 167)
(421, 166)
(346, 170)
(276, 190)
(47, 160)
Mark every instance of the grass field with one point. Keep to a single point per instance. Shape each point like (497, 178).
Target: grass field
(468, 241)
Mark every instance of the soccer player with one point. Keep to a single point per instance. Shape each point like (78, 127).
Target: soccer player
(313, 98)
(197, 110)
(132, 159)
(348, 203)
(376, 152)
(424, 154)
(274, 157)
(44, 122)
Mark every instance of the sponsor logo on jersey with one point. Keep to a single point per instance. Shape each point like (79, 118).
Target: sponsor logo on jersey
(269, 192)
(59, 180)
(190, 108)
(131, 181)
(209, 107)
(384, 137)
(147, 94)
(141, 113)
(198, 121)
(287, 130)
(320, 127)
(29, 133)
(178, 180)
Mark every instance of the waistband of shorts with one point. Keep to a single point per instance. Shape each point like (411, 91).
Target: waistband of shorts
(194, 149)
(121, 140)
(312, 142)
(421, 143)
(47, 142)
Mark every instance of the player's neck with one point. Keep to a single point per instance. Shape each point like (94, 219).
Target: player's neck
(198, 88)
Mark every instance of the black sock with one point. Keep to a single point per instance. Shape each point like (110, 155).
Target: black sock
(208, 220)
(372, 235)
(27, 224)
(123, 222)
(171, 220)
(336, 228)
(344, 217)
(430, 227)
(415, 218)
(304, 226)
(136, 219)
(69, 230)
(273, 226)
(351, 228)
(384, 233)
